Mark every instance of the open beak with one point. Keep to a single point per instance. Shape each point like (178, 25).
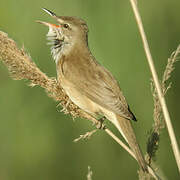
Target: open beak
(49, 12)
(49, 24)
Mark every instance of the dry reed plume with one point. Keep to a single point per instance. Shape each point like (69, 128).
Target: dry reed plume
(154, 137)
(159, 91)
(21, 66)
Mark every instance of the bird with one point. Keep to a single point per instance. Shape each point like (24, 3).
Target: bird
(87, 83)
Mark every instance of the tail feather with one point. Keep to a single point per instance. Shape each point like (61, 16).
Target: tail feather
(125, 127)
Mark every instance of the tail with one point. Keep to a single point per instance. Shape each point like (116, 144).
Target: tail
(124, 126)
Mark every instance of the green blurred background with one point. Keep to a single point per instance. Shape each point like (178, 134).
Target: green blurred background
(36, 139)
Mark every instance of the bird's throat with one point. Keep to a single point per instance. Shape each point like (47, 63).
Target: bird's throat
(57, 42)
(63, 46)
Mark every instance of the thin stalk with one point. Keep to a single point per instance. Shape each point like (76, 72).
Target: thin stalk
(157, 84)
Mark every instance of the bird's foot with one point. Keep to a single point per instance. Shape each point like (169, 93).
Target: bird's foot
(100, 125)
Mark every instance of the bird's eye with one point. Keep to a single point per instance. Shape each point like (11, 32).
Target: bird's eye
(66, 26)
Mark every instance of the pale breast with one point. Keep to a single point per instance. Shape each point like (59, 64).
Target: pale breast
(79, 99)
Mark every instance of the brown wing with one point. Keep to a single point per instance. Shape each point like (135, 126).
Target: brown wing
(98, 84)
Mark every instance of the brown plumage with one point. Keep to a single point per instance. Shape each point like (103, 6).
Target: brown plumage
(87, 83)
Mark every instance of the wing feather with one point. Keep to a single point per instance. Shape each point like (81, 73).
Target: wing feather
(99, 85)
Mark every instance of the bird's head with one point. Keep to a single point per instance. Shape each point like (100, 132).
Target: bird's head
(68, 31)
